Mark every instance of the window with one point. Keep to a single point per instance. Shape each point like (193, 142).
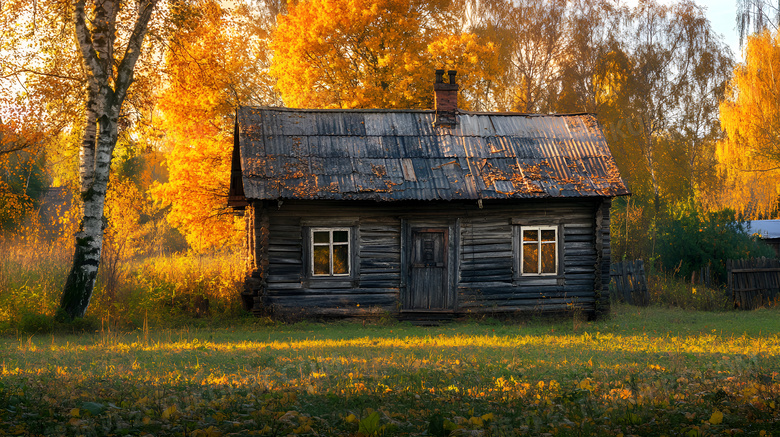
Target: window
(539, 252)
(330, 252)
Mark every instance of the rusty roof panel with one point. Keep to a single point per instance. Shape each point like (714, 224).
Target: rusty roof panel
(330, 126)
(396, 155)
(424, 121)
(294, 123)
(438, 178)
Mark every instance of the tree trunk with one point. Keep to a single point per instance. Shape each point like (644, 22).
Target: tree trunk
(89, 239)
(103, 106)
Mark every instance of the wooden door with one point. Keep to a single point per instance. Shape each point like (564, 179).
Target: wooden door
(428, 282)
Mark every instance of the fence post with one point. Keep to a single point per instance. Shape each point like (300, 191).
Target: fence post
(730, 281)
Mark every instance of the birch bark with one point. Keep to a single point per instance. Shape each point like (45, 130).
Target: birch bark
(108, 80)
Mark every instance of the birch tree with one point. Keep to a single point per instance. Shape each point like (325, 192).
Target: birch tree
(749, 158)
(109, 76)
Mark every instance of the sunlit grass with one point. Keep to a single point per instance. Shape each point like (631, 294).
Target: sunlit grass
(643, 371)
(168, 290)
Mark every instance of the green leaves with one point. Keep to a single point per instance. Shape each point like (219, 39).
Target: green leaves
(93, 408)
(369, 425)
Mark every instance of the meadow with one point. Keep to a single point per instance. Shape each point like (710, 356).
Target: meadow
(650, 371)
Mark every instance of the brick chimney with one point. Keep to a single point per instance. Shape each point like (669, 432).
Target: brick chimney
(446, 100)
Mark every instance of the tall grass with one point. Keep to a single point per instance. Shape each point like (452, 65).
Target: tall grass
(164, 290)
(671, 291)
(32, 271)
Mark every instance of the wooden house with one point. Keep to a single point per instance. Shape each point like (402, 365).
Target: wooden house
(413, 212)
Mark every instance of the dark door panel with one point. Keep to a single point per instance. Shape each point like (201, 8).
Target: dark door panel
(428, 284)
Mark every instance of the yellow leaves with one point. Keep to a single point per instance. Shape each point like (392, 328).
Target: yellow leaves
(750, 116)
(368, 53)
(169, 412)
(216, 70)
(716, 418)
(477, 384)
(586, 384)
(74, 412)
(208, 432)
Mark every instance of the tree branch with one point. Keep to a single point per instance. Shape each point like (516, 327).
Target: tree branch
(84, 39)
(127, 66)
(40, 73)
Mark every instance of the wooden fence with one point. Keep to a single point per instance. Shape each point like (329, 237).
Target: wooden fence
(628, 282)
(753, 282)
(703, 276)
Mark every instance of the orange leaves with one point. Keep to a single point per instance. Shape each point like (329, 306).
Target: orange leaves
(750, 157)
(216, 66)
(370, 53)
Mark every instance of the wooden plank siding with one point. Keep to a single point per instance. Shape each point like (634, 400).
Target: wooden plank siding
(484, 276)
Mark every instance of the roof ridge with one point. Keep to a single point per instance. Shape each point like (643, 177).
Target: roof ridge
(412, 111)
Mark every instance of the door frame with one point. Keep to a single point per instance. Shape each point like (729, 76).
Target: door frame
(408, 226)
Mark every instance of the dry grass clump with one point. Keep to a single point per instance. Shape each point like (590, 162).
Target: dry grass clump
(670, 291)
(163, 289)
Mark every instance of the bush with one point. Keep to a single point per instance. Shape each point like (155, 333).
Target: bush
(689, 240)
(36, 323)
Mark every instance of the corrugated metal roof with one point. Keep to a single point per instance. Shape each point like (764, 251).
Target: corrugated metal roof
(767, 229)
(399, 155)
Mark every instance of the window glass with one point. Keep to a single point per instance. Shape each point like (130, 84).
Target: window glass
(539, 250)
(321, 260)
(340, 236)
(530, 258)
(321, 237)
(330, 252)
(340, 260)
(548, 258)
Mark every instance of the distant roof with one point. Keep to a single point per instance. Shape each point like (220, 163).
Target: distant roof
(765, 228)
(400, 155)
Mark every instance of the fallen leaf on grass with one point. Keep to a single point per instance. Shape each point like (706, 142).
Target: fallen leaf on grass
(169, 412)
(716, 418)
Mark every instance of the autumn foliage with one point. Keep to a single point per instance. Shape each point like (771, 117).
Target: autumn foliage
(749, 157)
(213, 51)
(374, 54)
(660, 81)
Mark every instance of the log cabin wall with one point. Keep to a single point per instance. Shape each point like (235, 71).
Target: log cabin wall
(482, 248)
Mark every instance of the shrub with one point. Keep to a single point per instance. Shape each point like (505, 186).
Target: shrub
(33, 323)
(689, 240)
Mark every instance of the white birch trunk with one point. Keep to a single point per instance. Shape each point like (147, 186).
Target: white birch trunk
(104, 103)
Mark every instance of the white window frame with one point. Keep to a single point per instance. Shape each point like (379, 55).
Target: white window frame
(539, 249)
(330, 245)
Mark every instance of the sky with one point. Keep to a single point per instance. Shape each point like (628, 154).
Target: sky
(723, 16)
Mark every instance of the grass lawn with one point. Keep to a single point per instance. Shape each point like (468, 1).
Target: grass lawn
(642, 371)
